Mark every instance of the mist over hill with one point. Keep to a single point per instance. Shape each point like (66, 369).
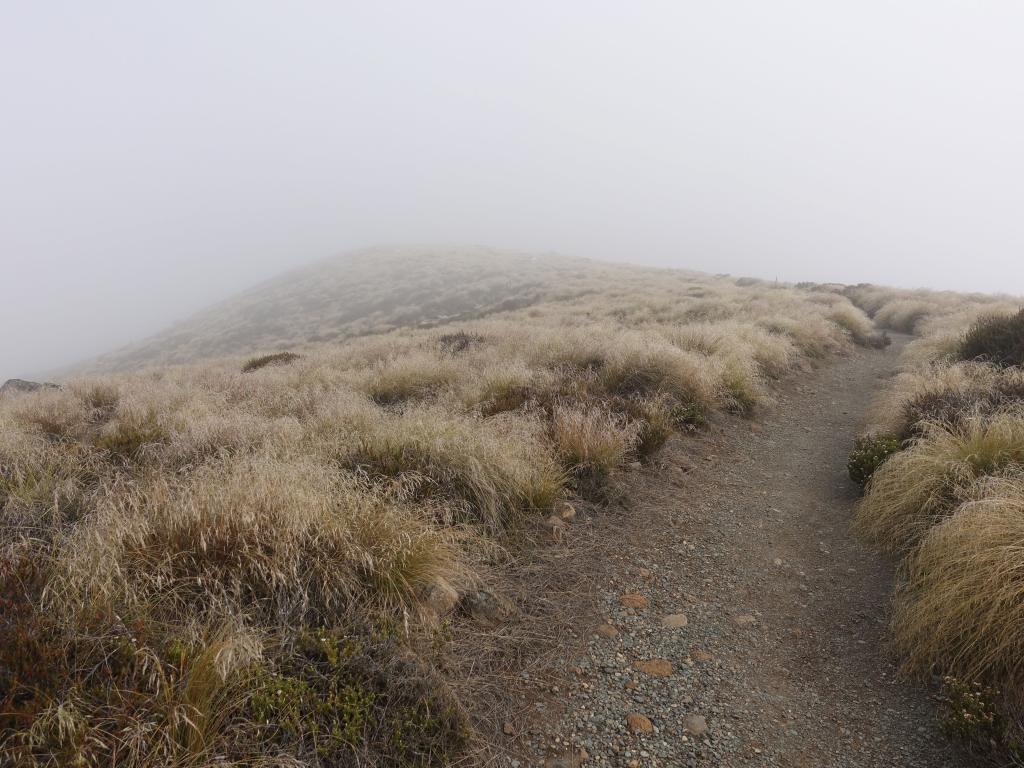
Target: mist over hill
(371, 290)
(355, 293)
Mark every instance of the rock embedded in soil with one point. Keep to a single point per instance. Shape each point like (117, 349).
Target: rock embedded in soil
(695, 725)
(636, 723)
(14, 386)
(606, 630)
(654, 667)
(555, 526)
(674, 621)
(440, 597)
(574, 760)
(484, 606)
(633, 600)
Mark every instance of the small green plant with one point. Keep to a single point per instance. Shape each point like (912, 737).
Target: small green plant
(971, 714)
(688, 416)
(343, 697)
(868, 454)
(996, 339)
(280, 358)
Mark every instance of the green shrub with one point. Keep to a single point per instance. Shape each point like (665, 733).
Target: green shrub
(344, 698)
(868, 454)
(280, 358)
(971, 713)
(952, 406)
(997, 339)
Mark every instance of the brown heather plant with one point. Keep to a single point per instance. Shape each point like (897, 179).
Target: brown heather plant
(202, 567)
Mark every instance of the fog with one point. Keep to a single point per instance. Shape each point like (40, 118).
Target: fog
(157, 157)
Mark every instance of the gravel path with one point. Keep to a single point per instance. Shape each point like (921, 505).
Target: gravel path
(737, 621)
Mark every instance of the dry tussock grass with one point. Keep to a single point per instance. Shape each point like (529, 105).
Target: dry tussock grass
(919, 486)
(952, 502)
(962, 607)
(227, 561)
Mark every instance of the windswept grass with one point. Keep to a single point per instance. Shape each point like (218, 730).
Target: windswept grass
(254, 560)
(962, 607)
(952, 503)
(918, 487)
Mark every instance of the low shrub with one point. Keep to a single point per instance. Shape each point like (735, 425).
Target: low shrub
(971, 714)
(877, 341)
(689, 416)
(868, 454)
(342, 697)
(279, 358)
(458, 341)
(983, 395)
(996, 339)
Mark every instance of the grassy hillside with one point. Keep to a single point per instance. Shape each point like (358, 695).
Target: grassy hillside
(369, 291)
(260, 559)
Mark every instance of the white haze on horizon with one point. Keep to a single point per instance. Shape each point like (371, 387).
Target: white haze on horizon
(155, 158)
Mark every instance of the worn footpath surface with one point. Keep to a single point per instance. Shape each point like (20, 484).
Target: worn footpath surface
(734, 620)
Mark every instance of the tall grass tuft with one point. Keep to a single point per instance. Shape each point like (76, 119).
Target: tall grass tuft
(962, 606)
(919, 487)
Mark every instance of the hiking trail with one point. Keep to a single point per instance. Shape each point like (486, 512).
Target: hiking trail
(762, 636)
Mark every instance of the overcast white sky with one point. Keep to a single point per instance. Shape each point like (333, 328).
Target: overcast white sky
(155, 157)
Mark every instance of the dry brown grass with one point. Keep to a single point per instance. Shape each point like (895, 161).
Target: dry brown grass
(961, 609)
(180, 543)
(919, 486)
(952, 502)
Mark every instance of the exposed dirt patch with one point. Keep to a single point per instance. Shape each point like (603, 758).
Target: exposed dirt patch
(781, 657)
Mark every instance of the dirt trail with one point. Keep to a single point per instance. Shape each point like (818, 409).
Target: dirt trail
(744, 530)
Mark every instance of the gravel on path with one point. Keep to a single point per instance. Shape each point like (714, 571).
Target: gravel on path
(760, 638)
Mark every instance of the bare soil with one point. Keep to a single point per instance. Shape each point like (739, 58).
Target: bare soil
(743, 529)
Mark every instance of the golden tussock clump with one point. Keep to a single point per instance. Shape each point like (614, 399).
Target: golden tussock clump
(961, 609)
(920, 485)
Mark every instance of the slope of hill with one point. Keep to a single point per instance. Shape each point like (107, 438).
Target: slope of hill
(313, 559)
(366, 291)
